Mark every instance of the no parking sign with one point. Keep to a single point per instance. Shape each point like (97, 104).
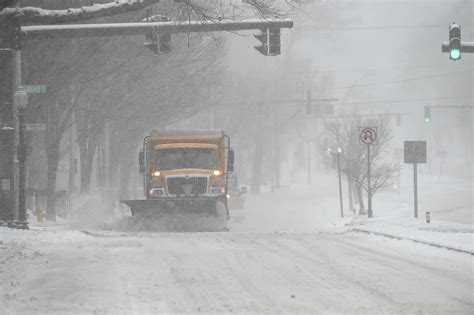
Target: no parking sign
(368, 135)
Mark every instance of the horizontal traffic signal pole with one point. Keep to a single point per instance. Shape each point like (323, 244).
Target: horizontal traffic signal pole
(368, 115)
(445, 106)
(143, 28)
(466, 47)
(297, 101)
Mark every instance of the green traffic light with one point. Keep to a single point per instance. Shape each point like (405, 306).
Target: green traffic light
(427, 119)
(455, 54)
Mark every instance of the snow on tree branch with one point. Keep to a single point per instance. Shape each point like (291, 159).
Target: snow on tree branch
(38, 15)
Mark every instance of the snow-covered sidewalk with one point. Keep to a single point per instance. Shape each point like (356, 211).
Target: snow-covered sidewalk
(454, 236)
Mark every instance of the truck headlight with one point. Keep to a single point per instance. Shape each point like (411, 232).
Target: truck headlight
(217, 190)
(156, 192)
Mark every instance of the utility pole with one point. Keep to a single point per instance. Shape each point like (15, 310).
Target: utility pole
(6, 122)
(340, 184)
(12, 186)
(16, 121)
(72, 163)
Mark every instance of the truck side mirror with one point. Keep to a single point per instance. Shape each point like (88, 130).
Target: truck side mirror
(230, 162)
(141, 161)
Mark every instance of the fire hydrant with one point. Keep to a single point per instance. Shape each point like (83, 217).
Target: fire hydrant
(39, 215)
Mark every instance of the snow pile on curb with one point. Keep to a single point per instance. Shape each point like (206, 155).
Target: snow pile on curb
(453, 236)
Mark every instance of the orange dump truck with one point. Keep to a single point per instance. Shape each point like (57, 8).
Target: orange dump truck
(184, 172)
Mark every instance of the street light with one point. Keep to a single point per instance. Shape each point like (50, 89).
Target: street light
(20, 103)
(337, 153)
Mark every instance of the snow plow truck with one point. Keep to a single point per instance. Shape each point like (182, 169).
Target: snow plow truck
(185, 178)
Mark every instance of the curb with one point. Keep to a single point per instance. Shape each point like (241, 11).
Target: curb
(20, 225)
(464, 251)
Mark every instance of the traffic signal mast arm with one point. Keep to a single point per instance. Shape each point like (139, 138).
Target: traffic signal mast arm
(143, 28)
(466, 47)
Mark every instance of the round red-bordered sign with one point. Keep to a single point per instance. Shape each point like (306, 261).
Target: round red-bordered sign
(368, 135)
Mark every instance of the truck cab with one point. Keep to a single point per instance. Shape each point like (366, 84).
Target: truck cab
(186, 164)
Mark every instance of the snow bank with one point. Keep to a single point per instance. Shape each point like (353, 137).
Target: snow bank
(454, 236)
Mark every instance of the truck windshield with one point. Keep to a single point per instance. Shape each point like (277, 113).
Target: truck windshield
(186, 158)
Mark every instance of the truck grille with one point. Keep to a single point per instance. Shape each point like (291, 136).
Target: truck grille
(187, 186)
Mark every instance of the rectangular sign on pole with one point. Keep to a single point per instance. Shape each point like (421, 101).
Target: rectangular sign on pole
(35, 89)
(415, 152)
(35, 127)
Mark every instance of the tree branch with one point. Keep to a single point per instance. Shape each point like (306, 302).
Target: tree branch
(42, 16)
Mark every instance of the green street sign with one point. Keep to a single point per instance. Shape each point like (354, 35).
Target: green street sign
(35, 89)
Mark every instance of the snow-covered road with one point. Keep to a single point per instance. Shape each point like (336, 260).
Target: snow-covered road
(99, 272)
(285, 253)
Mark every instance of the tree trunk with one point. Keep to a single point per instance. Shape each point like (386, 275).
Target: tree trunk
(124, 177)
(87, 149)
(52, 161)
(277, 167)
(257, 165)
(349, 190)
(258, 156)
(360, 196)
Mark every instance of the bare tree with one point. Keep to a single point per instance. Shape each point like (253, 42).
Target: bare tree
(343, 133)
(84, 74)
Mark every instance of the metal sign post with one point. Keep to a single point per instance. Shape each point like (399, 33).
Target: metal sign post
(414, 153)
(368, 136)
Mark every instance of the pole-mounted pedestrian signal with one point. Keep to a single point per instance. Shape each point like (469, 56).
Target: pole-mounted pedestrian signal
(454, 42)
(269, 42)
(427, 114)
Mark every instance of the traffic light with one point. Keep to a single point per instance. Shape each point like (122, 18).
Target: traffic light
(427, 114)
(269, 42)
(165, 43)
(158, 43)
(454, 42)
(274, 48)
(151, 42)
(309, 104)
(262, 36)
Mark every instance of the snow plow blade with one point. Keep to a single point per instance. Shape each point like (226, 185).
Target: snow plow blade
(181, 214)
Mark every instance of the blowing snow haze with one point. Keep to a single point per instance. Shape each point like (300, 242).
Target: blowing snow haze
(153, 161)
